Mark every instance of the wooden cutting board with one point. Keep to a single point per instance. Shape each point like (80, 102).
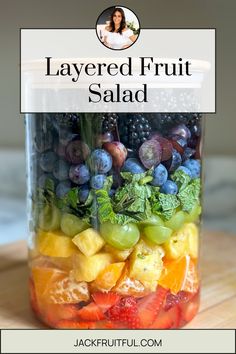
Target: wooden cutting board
(218, 304)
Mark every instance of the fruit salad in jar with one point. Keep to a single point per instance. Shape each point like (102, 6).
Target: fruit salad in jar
(114, 219)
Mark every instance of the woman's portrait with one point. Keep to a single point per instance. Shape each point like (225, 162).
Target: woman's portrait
(118, 28)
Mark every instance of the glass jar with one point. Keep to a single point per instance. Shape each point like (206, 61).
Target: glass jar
(114, 211)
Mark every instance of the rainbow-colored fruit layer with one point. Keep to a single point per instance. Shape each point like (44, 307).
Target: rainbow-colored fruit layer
(115, 208)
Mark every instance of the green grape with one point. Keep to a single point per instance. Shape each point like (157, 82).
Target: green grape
(177, 220)
(121, 237)
(194, 214)
(71, 225)
(153, 220)
(157, 234)
(49, 218)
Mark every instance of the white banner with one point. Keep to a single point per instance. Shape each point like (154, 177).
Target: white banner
(118, 341)
(165, 70)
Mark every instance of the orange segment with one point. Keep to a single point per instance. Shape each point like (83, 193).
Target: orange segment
(55, 286)
(108, 277)
(127, 286)
(180, 274)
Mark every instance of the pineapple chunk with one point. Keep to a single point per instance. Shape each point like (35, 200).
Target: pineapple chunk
(146, 263)
(55, 244)
(183, 242)
(192, 234)
(177, 245)
(119, 255)
(88, 268)
(89, 242)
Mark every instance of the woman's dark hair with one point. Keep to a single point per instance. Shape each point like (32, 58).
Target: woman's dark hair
(123, 21)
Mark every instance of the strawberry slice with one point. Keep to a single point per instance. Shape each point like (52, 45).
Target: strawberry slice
(105, 300)
(167, 319)
(72, 324)
(125, 311)
(149, 307)
(91, 312)
(189, 310)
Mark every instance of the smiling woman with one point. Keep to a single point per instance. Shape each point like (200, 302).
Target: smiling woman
(118, 33)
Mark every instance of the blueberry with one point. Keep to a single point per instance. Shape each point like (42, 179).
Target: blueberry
(61, 170)
(160, 175)
(63, 188)
(112, 192)
(100, 161)
(97, 181)
(44, 178)
(83, 193)
(188, 152)
(169, 187)
(194, 166)
(43, 141)
(47, 161)
(133, 165)
(79, 174)
(185, 170)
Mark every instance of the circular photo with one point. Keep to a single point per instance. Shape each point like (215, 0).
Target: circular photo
(117, 27)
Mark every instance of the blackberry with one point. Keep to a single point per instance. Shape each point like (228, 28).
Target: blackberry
(109, 122)
(165, 121)
(67, 120)
(194, 124)
(134, 129)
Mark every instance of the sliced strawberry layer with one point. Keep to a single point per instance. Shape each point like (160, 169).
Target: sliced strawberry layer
(73, 324)
(91, 312)
(167, 319)
(149, 307)
(105, 300)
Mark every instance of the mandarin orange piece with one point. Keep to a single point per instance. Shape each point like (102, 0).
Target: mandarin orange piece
(127, 286)
(55, 286)
(180, 274)
(108, 277)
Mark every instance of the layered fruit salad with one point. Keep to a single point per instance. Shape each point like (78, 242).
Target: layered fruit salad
(115, 207)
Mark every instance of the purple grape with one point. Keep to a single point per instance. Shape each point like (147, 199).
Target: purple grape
(150, 153)
(100, 161)
(79, 174)
(133, 165)
(182, 131)
(77, 151)
(174, 162)
(178, 143)
(166, 146)
(47, 161)
(97, 181)
(160, 176)
(61, 170)
(63, 188)
(105, 138)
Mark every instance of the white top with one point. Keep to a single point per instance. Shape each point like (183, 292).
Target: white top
(116, 40)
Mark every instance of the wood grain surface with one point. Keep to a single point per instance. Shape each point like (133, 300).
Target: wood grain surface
(218, 297)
